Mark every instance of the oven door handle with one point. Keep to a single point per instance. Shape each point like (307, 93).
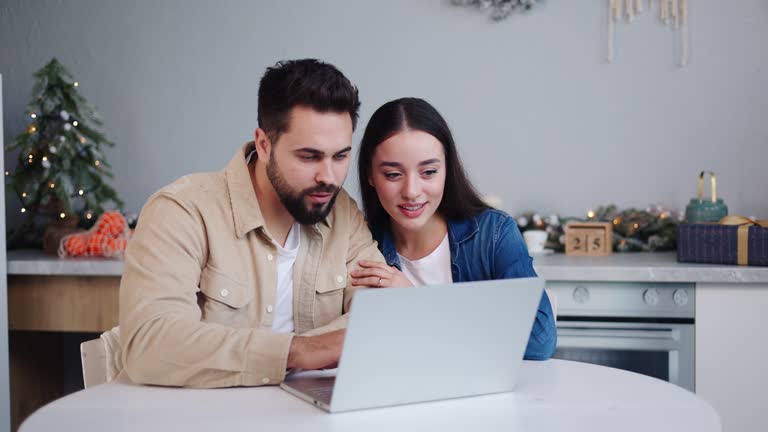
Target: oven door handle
(623, 333)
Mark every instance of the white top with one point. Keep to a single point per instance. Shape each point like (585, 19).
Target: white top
(433, 269)
(286, 257)
(553, 395)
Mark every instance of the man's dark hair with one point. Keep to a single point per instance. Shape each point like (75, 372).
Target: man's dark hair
(307, 82)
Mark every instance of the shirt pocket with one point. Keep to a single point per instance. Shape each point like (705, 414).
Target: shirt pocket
(329, 295)
(225, 300)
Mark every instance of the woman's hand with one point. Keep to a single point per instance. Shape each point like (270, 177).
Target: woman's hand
(378, 275)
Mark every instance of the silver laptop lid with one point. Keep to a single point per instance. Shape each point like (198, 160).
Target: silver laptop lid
(418, 344)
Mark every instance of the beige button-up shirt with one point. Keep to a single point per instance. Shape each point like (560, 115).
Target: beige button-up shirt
(198, 291)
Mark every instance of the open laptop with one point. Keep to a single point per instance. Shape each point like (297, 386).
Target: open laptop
(406, 345)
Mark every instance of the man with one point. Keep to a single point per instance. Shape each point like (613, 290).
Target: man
(234, 277)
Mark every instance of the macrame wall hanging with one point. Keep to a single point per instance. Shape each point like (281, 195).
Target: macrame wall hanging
(672, 13)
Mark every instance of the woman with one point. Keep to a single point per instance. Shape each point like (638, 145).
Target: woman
(430, 222)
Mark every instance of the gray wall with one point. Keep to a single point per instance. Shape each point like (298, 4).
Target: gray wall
(541, 119)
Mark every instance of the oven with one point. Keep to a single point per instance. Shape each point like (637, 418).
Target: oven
(646, 328)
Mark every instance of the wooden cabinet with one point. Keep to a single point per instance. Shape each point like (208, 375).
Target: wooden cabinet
(63, 303)
(46, 315)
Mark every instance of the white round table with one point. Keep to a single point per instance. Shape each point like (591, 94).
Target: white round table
(554, 395)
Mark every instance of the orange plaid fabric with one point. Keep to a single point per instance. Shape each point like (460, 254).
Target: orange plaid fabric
(107, 238)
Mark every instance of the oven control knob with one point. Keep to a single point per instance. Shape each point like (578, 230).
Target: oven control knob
(581, 295)
(681, 297)
(651, 296)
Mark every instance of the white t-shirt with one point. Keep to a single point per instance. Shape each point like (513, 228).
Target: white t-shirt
(286, 258)
(433, 269)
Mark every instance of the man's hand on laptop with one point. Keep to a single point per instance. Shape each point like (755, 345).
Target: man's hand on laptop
(316, 352)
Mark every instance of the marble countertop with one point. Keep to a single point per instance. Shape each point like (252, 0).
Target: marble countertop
(618, 267)
(642, 267)
(35, 262)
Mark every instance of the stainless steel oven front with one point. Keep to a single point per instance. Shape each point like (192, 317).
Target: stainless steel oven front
(646, 328)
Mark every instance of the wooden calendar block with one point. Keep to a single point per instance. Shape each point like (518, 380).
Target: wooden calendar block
(588, 238)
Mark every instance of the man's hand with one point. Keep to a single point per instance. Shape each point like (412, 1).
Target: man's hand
(316, 352)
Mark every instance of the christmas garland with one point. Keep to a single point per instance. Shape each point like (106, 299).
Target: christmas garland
(634, 230)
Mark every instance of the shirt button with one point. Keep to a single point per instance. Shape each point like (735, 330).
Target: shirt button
(269, 308)
(265, 380)
(339, 278)
(224, 292)
(270, 257)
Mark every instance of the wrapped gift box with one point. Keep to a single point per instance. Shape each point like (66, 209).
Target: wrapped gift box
(723, 244)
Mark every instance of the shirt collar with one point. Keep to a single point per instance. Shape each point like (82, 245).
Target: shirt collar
(461, 230)
(246, 212)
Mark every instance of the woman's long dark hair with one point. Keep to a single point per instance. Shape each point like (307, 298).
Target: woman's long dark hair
(460, 198)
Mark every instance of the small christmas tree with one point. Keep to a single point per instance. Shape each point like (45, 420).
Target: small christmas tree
(61, 168)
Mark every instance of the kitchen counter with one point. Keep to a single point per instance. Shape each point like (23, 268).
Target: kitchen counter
(35, 262)
(618, 267)
(641, 267)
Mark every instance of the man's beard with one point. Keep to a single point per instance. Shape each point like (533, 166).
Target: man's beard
(295, 202)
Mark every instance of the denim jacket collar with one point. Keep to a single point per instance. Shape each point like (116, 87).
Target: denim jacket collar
(459, 231)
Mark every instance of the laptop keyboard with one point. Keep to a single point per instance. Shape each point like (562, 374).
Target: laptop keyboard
(320, 393)
(320, 388)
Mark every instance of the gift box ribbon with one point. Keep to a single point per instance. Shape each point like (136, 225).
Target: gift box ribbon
(742, 238)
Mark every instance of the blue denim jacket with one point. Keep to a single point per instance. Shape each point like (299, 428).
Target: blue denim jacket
(485, 247)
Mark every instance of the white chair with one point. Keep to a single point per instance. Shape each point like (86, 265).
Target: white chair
(101, 358)
(94, 358)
